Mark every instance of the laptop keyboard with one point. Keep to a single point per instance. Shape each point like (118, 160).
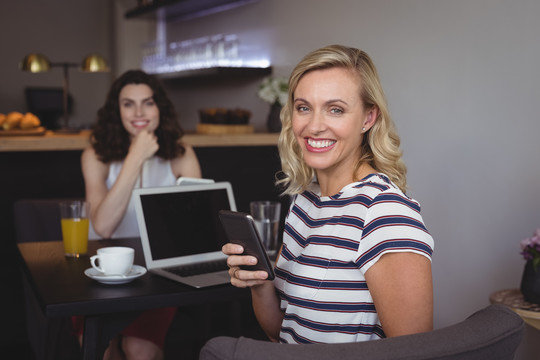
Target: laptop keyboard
(199, 268)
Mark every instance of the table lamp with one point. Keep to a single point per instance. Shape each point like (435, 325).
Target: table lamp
(36, 63)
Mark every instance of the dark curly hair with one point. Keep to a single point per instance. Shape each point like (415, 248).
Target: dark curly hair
(110, 139)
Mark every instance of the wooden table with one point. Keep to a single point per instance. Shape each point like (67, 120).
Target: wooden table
(56, 288)
(513, 298)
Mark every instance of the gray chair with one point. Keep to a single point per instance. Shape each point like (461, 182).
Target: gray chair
(38, 219)
(492, 333)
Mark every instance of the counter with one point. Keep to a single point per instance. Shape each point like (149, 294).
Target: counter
(52, 141)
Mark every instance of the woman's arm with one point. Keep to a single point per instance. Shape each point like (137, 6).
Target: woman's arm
(402, 290)
(263, 293)
(107, 207)
(187, 165)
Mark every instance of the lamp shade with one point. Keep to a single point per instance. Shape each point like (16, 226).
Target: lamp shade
(35, 63)
(94, 63)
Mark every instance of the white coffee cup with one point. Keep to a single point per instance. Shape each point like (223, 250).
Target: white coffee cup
(115, 260)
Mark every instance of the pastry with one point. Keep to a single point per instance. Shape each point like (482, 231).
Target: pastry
(29, 121)
(13, 119)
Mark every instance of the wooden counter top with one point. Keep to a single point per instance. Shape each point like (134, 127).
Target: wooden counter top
(57, 142)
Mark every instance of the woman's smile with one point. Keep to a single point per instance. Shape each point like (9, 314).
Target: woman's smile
(319, 145)
(140, 124)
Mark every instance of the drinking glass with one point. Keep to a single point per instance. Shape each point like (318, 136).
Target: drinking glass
(266, 215)
(74, 220)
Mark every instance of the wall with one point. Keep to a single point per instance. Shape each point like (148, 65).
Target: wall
(462, 81)
(64, 31)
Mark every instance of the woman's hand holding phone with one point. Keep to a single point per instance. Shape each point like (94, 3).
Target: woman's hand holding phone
(248, 261)
(239, 277)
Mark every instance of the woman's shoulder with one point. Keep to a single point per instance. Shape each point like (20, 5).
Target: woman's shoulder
(187, 154)
(382, 191)
(377, 187)
(373, 184)
(186, 164)
(89, 154)
(91, 164)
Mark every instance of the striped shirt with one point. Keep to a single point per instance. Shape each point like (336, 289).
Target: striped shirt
(329, 243)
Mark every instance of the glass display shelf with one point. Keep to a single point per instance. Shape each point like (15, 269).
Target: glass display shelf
(183, 9)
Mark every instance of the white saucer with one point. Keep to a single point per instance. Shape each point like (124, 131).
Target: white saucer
(135, 272)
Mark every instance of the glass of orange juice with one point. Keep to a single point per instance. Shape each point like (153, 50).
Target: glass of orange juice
(74, 218)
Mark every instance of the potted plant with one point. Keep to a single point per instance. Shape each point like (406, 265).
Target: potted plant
(274, 90)
(530, 282)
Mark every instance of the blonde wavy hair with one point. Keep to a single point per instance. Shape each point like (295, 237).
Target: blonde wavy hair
(381, 144)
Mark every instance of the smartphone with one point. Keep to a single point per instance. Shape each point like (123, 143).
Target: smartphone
(240, 229)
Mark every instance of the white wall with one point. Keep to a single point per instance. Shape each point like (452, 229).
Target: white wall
(462, 81)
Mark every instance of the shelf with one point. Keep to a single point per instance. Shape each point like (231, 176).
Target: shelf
(183, 9)
(217, 72)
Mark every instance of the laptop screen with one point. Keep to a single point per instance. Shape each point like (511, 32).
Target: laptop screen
(185, 222)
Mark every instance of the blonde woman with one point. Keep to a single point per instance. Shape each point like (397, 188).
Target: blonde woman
(355, 263)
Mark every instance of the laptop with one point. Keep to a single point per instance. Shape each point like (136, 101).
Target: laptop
(181, 234)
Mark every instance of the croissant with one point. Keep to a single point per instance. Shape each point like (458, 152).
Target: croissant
(29, 121)
(13, 119)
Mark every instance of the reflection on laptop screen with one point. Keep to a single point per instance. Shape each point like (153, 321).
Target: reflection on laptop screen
(184, 223)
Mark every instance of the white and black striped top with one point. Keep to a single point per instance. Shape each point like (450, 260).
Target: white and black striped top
(328, 245)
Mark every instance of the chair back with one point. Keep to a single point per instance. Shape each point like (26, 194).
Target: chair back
(37, 219)
(492, 333)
